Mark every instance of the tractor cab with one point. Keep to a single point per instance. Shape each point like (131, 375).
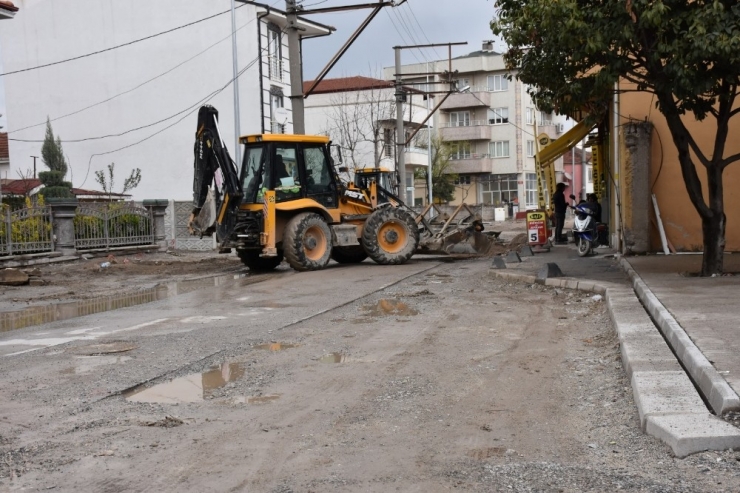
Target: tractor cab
(385, 179)
(294, 166)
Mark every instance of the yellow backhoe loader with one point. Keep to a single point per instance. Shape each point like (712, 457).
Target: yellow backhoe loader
(288, 202)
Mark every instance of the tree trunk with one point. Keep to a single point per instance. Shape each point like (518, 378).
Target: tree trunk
(712, 213)
(713, 225)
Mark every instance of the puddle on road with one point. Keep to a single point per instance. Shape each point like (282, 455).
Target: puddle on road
(37, 315)
(276, 346)
(334, 358)
(190, 388)
(389, 307)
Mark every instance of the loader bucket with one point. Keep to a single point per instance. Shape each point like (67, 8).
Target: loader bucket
(204, 222)
(456, 233)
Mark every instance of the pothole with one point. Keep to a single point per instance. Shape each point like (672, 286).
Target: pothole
(275, 346)
(103, 348)
(334, 358)
(191, 388)
(389, 307)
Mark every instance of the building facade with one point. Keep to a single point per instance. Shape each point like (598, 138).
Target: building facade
(359, 114)
(122, 82)
(490, 124)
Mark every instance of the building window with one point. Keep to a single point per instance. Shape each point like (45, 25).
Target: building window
(530, 148)
(499, 189)
(460, 119)
(529, 116)
(499, 148)
(530, 188)
(544, 119)
(462, 180)
(498, 116)
(459, 150)
(387, 142)
(274, 53)
(498, 83)
(276, 104)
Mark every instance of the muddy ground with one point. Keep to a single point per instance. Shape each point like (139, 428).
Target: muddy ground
(436, 377)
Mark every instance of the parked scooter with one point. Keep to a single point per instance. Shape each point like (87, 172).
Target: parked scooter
(585, 228)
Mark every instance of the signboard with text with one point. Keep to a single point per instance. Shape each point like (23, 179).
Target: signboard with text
(537, 233)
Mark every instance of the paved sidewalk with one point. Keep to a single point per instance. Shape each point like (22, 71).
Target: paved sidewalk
(655, 304)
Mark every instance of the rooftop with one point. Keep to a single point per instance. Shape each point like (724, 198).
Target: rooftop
(343, 84)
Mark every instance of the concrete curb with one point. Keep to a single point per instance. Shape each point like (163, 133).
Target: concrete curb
(668, 404)
(715, 388)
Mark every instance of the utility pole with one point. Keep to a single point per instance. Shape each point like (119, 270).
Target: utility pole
(237, 124)
(34, 166)
(400, 136)
(401, 140)
(296, 68)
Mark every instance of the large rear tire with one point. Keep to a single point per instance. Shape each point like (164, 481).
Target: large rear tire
(252, 259)
(307, 242)
(390, 236)
(348, 255)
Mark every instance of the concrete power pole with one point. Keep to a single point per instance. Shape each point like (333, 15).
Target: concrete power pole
(296, 68)
(235, 64)
(400, 135)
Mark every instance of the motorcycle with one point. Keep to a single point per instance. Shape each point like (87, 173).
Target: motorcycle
(585, 228)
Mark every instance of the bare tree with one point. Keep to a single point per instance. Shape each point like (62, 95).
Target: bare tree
(107, 183)
(357, 120)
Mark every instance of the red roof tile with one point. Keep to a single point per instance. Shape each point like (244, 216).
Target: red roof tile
(8, 5)
(22, 187)
(343, 84)
(4, 152)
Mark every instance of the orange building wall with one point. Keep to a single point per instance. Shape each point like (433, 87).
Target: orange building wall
(680, 219)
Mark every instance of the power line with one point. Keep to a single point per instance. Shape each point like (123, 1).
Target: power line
(403, 38)
(118, 46)
(422, 29)
(414, 41)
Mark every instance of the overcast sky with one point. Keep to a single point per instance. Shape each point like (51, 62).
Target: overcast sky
(415, 22)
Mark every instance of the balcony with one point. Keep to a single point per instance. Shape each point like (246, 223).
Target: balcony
(467, 100)
(475, 130)
(416, 156)
(472, 163)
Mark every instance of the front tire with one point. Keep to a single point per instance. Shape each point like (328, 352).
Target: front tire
(307, 242)
(348, 255)
(252, 259)
(584, 247)
(390, 236)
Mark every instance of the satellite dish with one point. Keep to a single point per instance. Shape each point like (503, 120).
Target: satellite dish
(281, 115)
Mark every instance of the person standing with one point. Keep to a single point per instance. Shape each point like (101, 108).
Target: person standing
(560, 206)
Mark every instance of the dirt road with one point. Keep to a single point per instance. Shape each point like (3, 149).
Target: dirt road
(425, 377)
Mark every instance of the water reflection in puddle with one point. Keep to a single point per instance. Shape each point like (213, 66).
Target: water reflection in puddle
(36, 315)
(191, 388)
(334, 358)
(275, 346)
(389, 307)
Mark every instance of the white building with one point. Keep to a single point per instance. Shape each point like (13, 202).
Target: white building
(112, 98)
(491, 125)
(359, 114)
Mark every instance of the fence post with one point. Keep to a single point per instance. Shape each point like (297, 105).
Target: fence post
(63, 224)
(9, 231)
(158, 207)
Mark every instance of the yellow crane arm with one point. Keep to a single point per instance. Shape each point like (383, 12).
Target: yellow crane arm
(548, 151)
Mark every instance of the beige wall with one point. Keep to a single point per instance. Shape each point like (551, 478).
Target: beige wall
(680, 219)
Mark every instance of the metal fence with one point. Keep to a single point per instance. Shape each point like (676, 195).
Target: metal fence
(26, 231)
(110, 226)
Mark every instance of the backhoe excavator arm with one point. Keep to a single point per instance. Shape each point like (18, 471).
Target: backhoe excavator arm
(212, 161)
(548, 151)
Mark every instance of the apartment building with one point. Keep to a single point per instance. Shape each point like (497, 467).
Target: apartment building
(490, 124)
